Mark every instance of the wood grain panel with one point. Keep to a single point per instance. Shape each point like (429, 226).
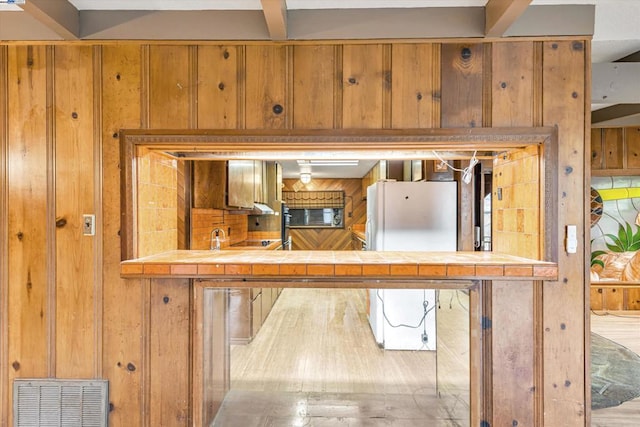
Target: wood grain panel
(74, 196)
(123, 300)
(363, 82)
(415, 87)
(613, 148)
(614, 299)
(633, 299)
(266, 105)
(462, 71)
(28, 285)
(564, 301)
(219, 86)
(169, 87)
(512, 84)
(513, 354)
(462, 84)
(597, 152)
(326, 238)
(632, 140)
(596, 298)
(170, 353)
(4, 281)
(314, 86)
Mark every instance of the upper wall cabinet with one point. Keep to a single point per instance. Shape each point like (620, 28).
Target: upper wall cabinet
(228, 184)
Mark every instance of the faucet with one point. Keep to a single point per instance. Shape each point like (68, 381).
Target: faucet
(217, 232)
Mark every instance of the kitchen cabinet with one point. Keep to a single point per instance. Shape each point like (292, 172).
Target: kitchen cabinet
(230, 184)
(240, 183)
(248, 310)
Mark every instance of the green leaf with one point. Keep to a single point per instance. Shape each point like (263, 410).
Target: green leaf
(629, 234)
(634, 247)
(616, 245)
(614, 248)
(622, 236)
(597, 262)
(595, 254)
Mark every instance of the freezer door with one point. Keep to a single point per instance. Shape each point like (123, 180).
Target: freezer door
(418, 216)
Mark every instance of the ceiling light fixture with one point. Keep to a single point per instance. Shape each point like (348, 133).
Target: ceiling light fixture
(328, 162)
(305, 178)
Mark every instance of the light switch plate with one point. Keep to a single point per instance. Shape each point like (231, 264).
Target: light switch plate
(88, 225)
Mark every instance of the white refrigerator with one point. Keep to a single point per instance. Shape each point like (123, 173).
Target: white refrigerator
(408, 216)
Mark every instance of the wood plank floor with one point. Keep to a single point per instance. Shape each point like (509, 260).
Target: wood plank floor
(315, 363)
(624, 328)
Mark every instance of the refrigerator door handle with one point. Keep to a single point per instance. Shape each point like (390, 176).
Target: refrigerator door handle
(367, 233)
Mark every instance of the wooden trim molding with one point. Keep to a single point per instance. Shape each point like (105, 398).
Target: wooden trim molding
(4, 243)
(277, 144)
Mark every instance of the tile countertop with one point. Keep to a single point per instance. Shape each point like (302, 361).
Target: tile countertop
(337, 266)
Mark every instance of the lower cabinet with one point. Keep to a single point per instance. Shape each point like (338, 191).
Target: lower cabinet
(248, 310)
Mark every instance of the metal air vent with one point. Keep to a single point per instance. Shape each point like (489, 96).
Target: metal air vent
(60, 403)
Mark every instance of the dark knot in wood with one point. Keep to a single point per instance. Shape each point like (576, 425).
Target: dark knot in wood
(465, 53)
(278, 109)
(61, 222)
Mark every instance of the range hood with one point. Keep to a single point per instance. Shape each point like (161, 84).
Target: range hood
(261, 209)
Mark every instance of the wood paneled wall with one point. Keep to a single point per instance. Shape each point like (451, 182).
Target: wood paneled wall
(65, 310)
(355, 212)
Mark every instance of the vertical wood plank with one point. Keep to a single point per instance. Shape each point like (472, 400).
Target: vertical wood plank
(462, 88)
(597, 151)
(564, 89)
(462, 71)
(632, 142)
(512, 84)
(27, 291)
(614, 299)
(513, 353)
(613, 148)
(4, 246)
(633, 299)
(169, 87)
(415, 87)
(266, 105)
(596, 299)
(170, 353)
(123, 300)
(75, 316)
(314, 81)
(218, 86)
(363, 80)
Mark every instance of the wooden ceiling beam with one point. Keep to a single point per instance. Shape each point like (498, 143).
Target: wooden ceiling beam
(275, 13)
(500, 14)
(58, 15)
(621, 115)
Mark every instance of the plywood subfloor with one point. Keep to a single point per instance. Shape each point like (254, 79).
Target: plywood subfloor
(624, 328)
(315, 362)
